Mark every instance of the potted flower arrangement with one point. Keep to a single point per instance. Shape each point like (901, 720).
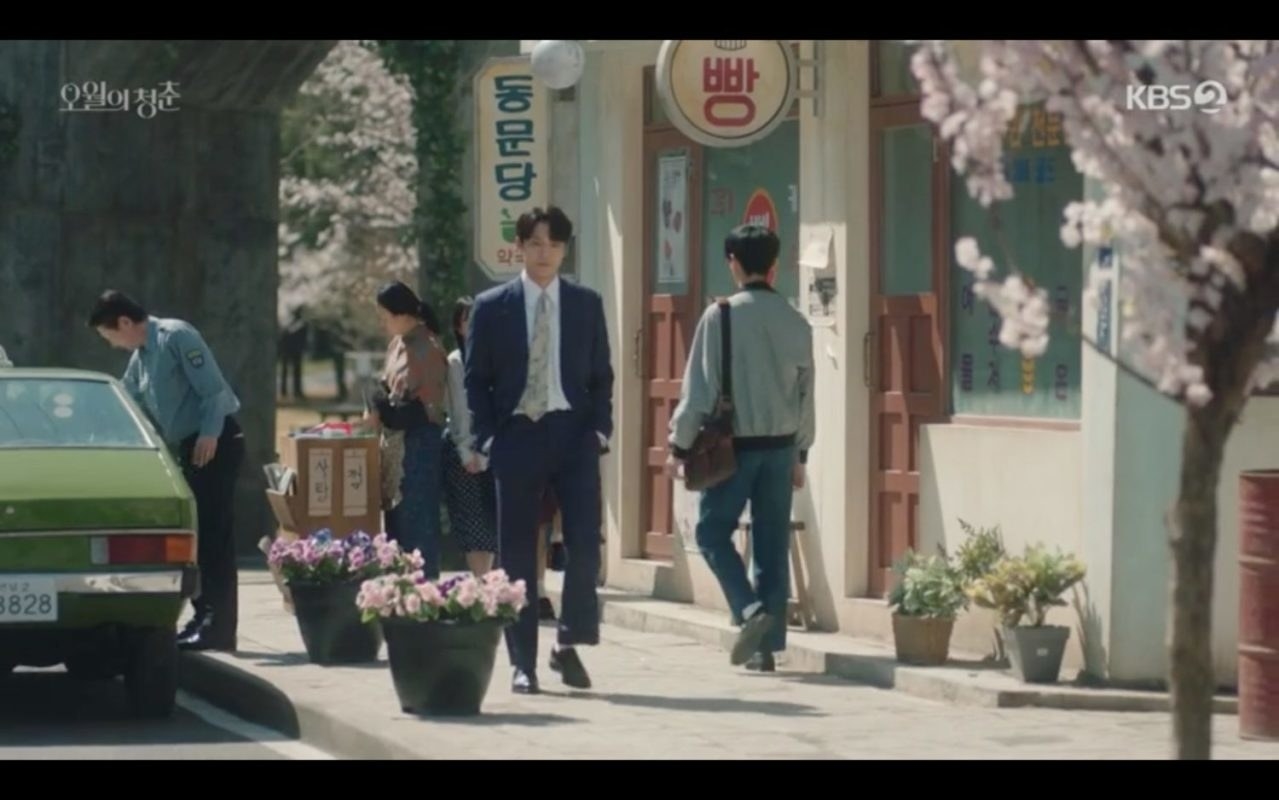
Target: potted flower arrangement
(925, 601)
(1025, 588)
(975, 558)
(323, 574)
(441, 636)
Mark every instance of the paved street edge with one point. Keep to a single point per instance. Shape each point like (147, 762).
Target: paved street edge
(218, 681)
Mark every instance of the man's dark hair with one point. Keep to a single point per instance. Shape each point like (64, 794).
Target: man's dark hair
(557, 223)
(112, 305)
(755, 247)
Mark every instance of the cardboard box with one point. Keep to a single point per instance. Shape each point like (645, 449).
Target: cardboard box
(338, 486)
(321, 495)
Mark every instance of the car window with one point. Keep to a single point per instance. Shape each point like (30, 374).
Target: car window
(40, 412)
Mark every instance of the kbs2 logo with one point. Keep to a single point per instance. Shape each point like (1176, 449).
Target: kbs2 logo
(1208, 97)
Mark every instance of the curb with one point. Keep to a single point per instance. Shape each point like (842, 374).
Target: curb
(869, 662)
(237, 691)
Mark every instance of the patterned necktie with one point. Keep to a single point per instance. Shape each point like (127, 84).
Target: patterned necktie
(537, 391)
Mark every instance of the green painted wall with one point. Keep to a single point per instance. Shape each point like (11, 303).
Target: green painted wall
(732, 177)
(1147, 459)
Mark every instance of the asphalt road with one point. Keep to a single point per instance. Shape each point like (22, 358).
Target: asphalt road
(44, 714)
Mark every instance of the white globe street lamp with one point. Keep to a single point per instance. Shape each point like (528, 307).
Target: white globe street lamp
(558, 63)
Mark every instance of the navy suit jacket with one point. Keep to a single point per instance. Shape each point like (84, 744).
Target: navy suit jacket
(497, 352)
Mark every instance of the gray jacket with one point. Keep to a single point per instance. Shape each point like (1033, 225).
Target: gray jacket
(772, 352)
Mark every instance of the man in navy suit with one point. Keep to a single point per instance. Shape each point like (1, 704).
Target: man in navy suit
(539, 382)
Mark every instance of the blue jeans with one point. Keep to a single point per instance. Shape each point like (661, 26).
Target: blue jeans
(415, 522)
(763, 479)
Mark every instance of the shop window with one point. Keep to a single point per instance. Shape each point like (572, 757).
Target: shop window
(986, 377)
(756, 183)
(890, 69)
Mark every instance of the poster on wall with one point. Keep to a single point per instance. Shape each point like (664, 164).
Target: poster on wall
(818, 261)
(988, 378)
(672, 215)
(513, 161)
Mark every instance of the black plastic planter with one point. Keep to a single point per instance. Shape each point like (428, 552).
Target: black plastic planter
(330, 624)
(441, 668)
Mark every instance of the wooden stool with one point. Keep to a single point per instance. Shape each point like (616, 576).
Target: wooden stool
(799, 607)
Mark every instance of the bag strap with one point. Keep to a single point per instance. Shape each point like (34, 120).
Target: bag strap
(726, 352)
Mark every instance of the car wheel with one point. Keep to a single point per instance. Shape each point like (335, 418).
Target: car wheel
(151, 676)
(91, 668)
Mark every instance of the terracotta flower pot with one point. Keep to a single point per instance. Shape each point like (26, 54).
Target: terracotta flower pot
(924, 641)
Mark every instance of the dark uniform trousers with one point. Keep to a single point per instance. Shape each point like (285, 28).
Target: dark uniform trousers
(214, 489)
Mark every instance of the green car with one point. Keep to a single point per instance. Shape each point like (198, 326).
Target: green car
(97, 535)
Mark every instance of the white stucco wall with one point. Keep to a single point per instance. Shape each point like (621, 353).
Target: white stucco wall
(1026, 481)
(610, 106)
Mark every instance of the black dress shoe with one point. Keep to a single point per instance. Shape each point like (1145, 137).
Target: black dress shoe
(208, 635)
(570, 668)
(192, 626)
(525, 683)
(545, 611)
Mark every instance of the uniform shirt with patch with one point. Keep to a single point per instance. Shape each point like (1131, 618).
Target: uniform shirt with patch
(177, 381)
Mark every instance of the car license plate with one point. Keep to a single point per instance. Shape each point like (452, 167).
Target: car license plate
(28, 599)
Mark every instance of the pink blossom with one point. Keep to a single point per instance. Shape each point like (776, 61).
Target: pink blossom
(355, 560)
(361, 115)
(467, 593)
(430, 593)
(386, 556)
(413, 604)
(416, 561)
(1187, 197)
(491, 599)
(517, 594)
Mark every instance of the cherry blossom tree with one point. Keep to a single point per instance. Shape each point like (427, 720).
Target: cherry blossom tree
(1188, 197)
(348, 188)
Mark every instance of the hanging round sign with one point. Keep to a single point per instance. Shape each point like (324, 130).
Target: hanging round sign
(727, 93)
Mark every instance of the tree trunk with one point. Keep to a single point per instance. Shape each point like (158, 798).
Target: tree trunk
(1194, 541)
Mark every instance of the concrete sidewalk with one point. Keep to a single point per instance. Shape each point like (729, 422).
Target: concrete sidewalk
(657, 696)
(966, 679)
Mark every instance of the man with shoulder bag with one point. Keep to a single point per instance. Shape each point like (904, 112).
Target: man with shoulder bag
(741, 433)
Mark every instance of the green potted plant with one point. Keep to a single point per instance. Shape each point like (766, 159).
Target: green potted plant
(1024, 589)
(929, 593)
(441, 636)
(981, 550)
